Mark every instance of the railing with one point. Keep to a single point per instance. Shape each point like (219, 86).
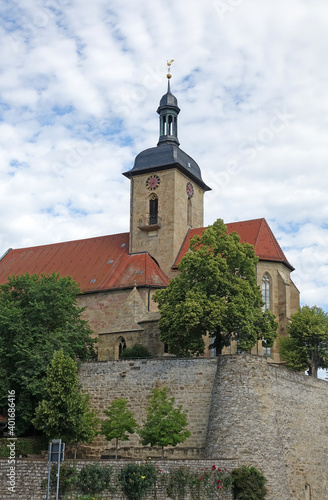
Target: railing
(150, 223)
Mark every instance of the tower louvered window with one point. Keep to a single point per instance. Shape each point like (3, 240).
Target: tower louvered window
(153, 210)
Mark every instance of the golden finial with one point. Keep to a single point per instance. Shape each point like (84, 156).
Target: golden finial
(169, 68)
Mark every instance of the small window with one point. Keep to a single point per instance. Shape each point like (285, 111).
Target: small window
(307, 491)
(121, 346)
(170, 125)
(266, 350)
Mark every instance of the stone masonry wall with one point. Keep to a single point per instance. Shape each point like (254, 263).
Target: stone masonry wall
(240, 408)
(275, 420)
(31, 476)
(189, 381)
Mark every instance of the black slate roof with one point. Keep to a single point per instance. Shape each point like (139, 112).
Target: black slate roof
(163, 157)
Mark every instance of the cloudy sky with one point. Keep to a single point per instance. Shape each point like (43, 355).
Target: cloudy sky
(80, 83)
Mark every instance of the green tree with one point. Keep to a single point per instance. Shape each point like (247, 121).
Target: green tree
(306, 347)
(216, 292)
(64, 412)
(120, 422)
(164, 425)
(248, 484)
(38, 315)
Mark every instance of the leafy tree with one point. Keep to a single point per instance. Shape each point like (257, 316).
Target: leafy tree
(38, 315)
(306, 348)
(120, 422)
(64, 412)
(216, 292)
(248, 484)
(165, 425)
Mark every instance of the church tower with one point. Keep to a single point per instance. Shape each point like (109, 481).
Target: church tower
(167, 191)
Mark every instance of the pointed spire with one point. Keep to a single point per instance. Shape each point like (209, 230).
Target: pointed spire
(168, 114)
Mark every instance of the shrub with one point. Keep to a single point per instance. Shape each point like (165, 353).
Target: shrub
(178, 481)
(94, 478)
(67, 478)
(24, 446)
(248, 484)
(136, 351)
(137, 479)
(198, 484)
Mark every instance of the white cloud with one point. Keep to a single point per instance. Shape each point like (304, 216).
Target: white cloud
(80, 83)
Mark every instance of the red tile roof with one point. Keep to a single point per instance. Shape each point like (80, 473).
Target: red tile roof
(256, 232)
(96, 263)
(104, 263)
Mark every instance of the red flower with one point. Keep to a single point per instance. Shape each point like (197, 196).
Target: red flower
(219, 481)
(213, 467)
(219, 470)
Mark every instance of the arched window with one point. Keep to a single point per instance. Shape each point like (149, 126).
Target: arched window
(266, 292)
(153, 209)
(307, 490)
(189, 212)
(170, 125)
(121, 346)
(266, 297)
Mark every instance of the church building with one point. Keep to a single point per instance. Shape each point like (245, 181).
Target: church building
(119, 273)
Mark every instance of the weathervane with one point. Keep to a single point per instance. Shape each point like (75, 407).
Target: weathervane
(169, 68)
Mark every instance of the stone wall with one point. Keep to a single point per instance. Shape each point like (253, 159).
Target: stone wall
(31, 476)
(239, 407)
(189, 381)
(103, 307)
(273, 419)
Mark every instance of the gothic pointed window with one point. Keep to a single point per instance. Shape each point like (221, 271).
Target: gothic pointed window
(153, 209)
(121, 346)
(266, 292)
(266, 297)
(189, 212)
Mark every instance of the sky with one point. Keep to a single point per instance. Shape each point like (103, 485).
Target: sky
(80, 84)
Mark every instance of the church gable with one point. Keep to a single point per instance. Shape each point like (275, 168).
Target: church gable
(132, 311)
(256, 232)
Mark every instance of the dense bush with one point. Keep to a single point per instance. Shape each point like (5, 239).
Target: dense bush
(248, 484)
(94, 478)
(67, 478)
(136, 351)
(198, 484)
(24, 446)
(138, 479)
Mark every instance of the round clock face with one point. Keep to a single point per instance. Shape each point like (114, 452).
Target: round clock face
(190, 190)
(153, 182)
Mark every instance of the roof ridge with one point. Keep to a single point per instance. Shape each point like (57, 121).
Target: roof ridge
(262, 219)
(69, 241)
